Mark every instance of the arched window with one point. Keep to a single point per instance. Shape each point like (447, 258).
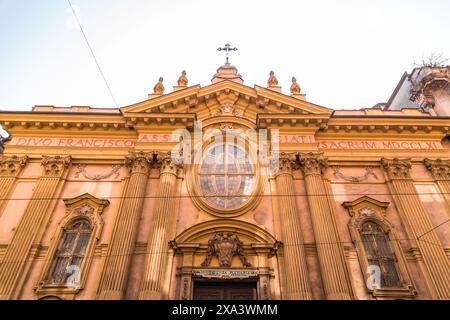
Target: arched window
(379, 253)
(72, 248)
(70, 254)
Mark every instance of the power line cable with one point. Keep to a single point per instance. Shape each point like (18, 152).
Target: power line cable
(418, 238)
(241, 196)
(92, 52)
(93, 255)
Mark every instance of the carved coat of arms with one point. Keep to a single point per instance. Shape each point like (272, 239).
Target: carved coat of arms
(225, 246)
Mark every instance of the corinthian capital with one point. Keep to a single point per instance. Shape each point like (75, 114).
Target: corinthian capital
(397, 168)
(440, 169)
(11, 165)
(284, 162)
(168, 162)
(54, 166)
(139, 162)
(313, 163)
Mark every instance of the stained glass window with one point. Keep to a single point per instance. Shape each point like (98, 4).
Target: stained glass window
(226, 176)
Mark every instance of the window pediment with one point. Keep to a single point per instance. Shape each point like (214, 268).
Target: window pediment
(69, 255)
(380, 255)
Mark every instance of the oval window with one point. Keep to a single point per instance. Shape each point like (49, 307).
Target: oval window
(227, 176)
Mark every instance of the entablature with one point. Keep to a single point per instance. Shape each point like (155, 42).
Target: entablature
(384, 124)
(52, 120)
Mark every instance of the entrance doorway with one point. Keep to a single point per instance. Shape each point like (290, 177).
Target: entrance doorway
(225, 290)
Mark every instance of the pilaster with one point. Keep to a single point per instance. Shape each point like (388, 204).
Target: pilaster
(164, 219)
(10, 168)
(440, 170)
(17, 261)
(296, 270)
(116, 268)
(330, 250)
(419, 228)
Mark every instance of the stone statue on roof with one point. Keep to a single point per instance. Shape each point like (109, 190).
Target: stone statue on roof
(272, 82)
(295, 88)
(182, 80)
(159, 88)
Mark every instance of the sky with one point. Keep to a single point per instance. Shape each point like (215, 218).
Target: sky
(345, 54)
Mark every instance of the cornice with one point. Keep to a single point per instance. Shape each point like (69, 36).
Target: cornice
(171, 99)
(224, 85)
(39, 120)
(27, 121)
(184, 119)
(275, 96)
(262, 97)
(272, 109)
(383, 124)
(292, 119)
(194, 95)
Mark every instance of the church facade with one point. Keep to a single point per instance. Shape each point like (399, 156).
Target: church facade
(229, 192)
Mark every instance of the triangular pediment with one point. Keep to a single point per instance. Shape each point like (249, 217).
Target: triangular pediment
(225, 98)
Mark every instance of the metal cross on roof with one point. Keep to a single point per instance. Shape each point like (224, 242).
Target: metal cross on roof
(227, 50)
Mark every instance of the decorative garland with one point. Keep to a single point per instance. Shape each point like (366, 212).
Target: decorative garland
(90, 176)
(369, 172)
